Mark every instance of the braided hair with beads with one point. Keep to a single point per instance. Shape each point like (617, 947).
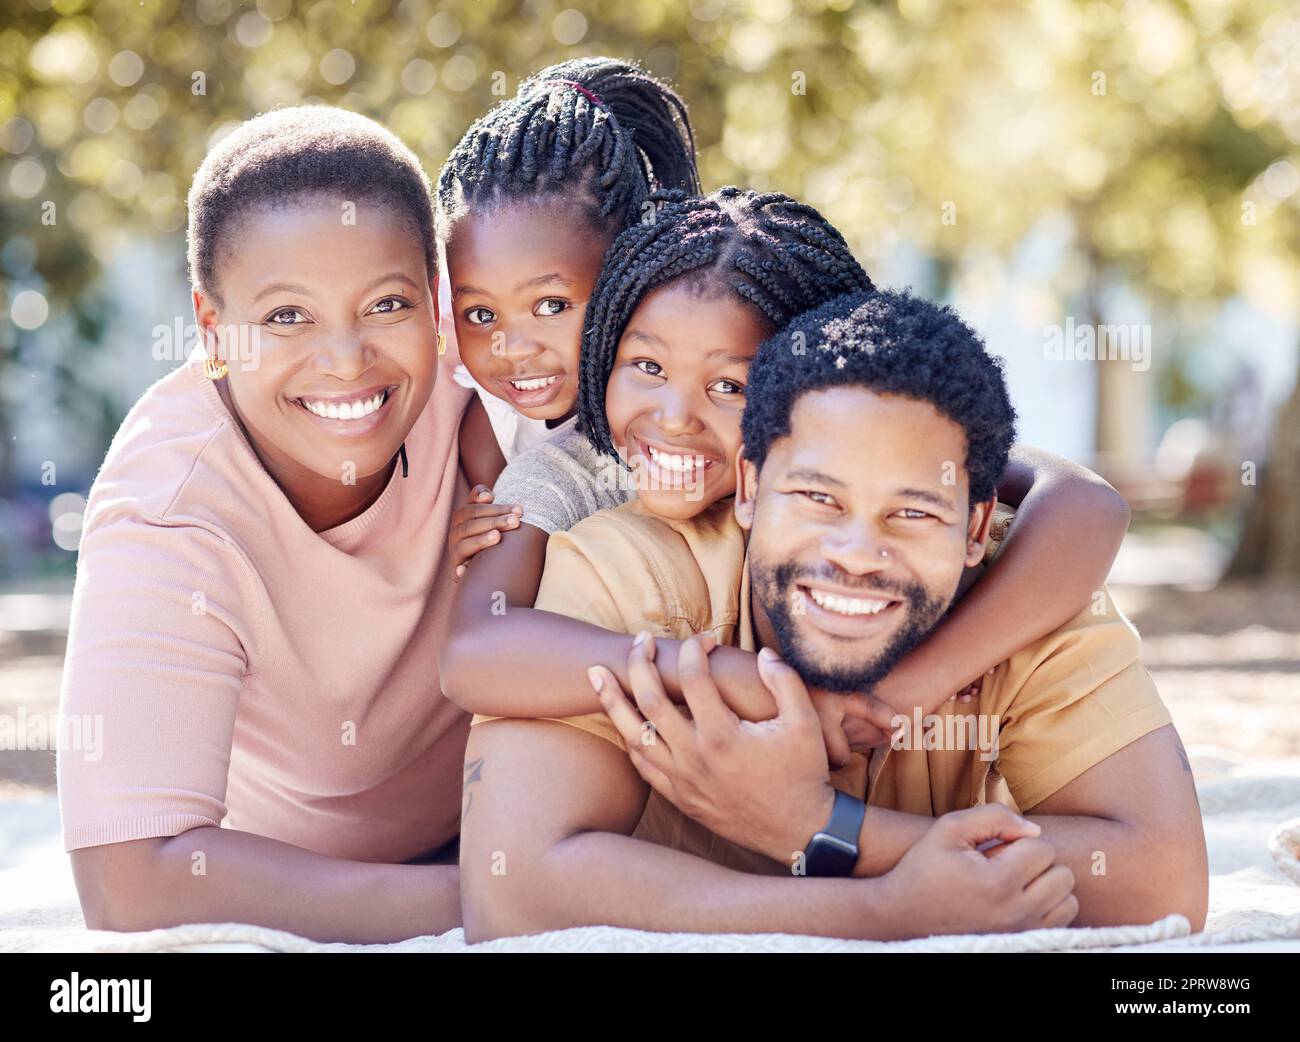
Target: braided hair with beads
(599, 131)
(779, 256)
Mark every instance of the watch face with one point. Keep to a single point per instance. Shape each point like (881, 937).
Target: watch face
(834, 850)
(835, 843)
(830, 856)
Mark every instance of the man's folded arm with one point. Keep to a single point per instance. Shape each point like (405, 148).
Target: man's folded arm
(546, 844)
(1129, 828)
(1089, 754)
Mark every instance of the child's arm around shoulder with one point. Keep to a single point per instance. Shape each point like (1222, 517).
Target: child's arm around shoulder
(504, 657)
(481, 459)
(477, 522)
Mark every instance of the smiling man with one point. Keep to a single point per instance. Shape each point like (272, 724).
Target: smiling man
(874, 432)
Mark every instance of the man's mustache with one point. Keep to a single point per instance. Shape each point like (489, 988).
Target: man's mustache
(788, 575)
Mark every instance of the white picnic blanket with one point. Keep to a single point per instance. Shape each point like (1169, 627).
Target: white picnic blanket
(1252, 824)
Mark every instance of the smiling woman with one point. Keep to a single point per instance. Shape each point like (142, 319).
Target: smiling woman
(346, 357)
(260, 592)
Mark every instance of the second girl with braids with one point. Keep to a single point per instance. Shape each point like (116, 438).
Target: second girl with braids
(681, 306)
(527, 203)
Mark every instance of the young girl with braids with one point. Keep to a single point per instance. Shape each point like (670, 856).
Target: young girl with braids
(680, 308)
(527, 203)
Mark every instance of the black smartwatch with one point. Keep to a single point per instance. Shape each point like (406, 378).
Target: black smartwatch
(834, 850)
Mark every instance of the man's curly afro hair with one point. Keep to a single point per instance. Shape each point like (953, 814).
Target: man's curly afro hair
(280, 155)
(891, 343)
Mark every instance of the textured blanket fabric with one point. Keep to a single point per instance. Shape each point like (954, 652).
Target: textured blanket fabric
(1252, 823)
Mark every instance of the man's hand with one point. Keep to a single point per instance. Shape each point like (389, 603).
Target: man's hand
(947, 884)
(478, 524)
(763, 785)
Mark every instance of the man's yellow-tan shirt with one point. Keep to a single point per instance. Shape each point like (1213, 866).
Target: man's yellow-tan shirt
(1057, 707)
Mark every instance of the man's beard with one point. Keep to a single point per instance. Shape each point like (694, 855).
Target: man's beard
(772, 587)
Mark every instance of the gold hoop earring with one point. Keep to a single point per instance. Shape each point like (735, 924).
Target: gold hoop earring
(214, 368)
(442, 344)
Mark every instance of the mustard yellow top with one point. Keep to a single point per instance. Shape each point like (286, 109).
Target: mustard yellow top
(1057, 707)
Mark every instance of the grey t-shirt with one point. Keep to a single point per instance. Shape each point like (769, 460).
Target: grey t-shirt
(562, 481)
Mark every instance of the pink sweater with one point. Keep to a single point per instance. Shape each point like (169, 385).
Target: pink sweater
(249, 671)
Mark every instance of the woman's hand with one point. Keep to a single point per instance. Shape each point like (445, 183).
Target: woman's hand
(478, 524)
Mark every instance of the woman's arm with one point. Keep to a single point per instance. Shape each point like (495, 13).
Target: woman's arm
(162, 669)
(1068, 528)
(150, 884)
(481, 460)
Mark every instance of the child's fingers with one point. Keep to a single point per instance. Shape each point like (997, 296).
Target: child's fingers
(480, 494)
(464, 549)
(881, 715)
(485, 524)
(490, 509)
(470, 511)
(870, 709)
(863, 735)
(834, 733)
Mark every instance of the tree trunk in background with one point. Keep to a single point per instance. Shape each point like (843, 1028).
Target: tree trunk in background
(1123, 420)
(1122, 397)
(1270, 541)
